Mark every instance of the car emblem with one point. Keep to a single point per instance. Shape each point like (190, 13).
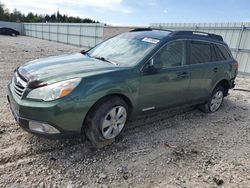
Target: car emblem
(18, 79)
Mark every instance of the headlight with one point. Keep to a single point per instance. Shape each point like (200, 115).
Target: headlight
(54, 91)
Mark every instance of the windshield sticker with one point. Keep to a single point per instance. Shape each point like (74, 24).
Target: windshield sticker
(150, 40)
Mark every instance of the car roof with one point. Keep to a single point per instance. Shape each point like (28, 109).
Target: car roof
(162, 34)
(153, 33)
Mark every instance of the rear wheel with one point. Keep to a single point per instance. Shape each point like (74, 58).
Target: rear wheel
(214, 102)
(106, 120)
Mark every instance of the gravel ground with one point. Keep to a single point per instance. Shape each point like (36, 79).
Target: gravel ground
(178, 148)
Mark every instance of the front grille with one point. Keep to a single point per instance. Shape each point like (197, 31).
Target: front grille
(18, 85)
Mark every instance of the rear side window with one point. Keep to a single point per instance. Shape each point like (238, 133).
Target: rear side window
(218, 53)
(200, 52)
(221, 53)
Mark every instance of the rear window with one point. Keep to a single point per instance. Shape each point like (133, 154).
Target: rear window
(200, 52)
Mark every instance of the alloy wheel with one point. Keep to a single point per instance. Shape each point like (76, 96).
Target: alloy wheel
(114, 122)
(216, 101)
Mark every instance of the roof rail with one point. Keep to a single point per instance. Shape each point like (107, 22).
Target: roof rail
(148, 29)
(160, 29)
(141, 29)
(197, 33)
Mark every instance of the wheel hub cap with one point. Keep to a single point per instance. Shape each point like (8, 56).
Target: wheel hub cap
(216, 101)
(113, 122)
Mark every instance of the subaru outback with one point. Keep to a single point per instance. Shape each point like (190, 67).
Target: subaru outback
(95, 92)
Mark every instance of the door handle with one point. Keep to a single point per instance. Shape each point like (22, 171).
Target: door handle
(215, 69)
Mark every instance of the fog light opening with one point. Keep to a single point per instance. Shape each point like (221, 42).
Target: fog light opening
(42, 128)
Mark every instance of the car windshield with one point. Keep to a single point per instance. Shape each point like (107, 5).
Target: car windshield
(126, 49)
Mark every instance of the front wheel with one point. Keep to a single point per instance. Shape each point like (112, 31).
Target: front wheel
(106, 120)
(214, 102)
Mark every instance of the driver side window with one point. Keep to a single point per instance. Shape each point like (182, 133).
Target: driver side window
(172, 55)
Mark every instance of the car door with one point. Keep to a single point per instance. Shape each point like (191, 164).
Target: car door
(165, 78)
(203, 69)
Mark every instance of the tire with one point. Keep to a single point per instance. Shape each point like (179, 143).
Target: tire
(13, 34)
(214, 102)
(100, 127)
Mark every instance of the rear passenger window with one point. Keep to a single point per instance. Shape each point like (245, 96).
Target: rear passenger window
(200, 52)
(221, 53)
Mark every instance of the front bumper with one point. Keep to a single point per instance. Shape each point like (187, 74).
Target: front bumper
(24, 124)
(66, 115)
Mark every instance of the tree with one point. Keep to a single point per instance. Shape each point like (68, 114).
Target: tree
(53, 18)
(4, 13)
(18, 16)
(47, 18)
(1, 11)
(29, 17)
(59, 17)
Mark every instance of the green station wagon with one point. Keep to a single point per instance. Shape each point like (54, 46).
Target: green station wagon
(95, 92)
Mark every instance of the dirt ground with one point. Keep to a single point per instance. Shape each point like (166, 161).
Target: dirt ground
(178, 148)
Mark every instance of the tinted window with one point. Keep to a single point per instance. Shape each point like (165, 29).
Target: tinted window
(214, 56)
(224, 51)
(219, 55)
(172, 55)
(200, 52)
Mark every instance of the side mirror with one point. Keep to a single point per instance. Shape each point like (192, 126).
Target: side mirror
(152, 66)
(83, 52)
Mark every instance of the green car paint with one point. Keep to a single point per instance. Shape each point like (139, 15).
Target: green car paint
(143, 90)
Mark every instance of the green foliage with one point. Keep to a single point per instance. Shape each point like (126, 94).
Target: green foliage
(17, 16)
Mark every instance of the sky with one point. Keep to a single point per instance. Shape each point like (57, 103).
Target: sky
(140, 12)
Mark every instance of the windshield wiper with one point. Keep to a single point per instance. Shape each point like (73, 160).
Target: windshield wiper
(104, 59)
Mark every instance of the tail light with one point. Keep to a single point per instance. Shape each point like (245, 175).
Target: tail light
(236, 65)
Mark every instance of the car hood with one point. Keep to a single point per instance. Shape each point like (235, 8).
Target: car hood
(63, 67)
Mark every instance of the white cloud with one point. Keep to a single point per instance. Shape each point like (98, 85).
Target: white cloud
(97, 3)
(113, 5)
(51, 6)
(165, 11)
(40, 7)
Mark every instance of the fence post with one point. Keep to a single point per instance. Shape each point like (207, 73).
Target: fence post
(95, 33)
(239, 41)
(57, 33)
(22, 29)
(80, 41)
(196, 28)
(68, 34)
(36, 30)
(42, 31)
(49, 31)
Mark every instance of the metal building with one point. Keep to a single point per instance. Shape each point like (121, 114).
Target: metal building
(83, 35)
